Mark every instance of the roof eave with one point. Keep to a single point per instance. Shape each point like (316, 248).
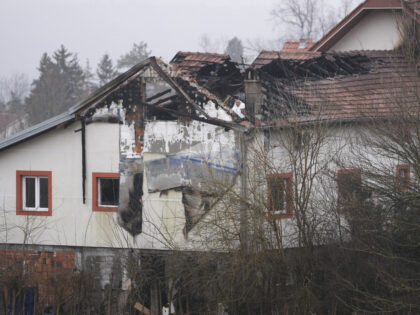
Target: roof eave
(37, 129)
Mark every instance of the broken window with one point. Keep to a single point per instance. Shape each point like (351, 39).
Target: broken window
(33, 192)
(108, 192)
(280, 195)
(105, 192)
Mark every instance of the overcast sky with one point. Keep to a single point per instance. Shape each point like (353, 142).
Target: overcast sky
(92, 27)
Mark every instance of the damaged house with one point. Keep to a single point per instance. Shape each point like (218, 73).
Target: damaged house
(134, 165)
(123, 169)
(138, 165)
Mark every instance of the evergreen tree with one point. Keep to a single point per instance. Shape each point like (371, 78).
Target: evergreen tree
(13, 90)
(60, 85)
(137, 54)
(72, 73)
(105, 70)
(235, 49)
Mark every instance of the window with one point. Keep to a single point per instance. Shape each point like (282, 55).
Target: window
(33, 193)
(403, 175)
(105, 191)
(349, 188)
(280, 203)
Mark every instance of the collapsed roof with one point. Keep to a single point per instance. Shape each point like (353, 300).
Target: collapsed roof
(295, 83)
(214, 72)
(296, 50)
(183, 97)
(353, 85)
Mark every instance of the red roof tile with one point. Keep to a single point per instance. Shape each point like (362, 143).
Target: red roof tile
(298, 46)
(192, 62)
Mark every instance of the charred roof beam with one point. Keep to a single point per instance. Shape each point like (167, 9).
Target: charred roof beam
(211, 121)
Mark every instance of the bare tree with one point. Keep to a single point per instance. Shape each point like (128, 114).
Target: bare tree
(308, 18)
(13, 91)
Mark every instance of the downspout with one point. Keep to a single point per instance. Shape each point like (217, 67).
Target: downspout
(244, 138)
(83, 121)
(244, 194)
(83, 130)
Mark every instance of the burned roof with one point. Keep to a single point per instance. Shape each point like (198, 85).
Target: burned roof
(295, 50)
(320, 66)
(109, 91)
(266, 56)
(215, 72)
(377, 85)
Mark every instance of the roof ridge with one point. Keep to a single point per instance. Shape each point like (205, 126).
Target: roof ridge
(202, 53)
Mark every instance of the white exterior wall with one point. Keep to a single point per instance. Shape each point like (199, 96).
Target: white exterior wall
(163, 213)
(72, 223)
(75, 224)
(343, 148)
(378, 30)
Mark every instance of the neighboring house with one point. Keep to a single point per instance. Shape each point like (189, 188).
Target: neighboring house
(373, 25)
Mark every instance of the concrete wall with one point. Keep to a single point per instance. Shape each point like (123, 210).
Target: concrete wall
(377, 30)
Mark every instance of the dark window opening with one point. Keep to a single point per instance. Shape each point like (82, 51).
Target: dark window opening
(349, 188)
(30, 192)
(108, 189)
(280, 195)
(43, 192)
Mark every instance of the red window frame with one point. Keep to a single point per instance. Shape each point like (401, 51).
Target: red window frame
(405, 168)
(95, 205)
(19, 189)
(289, 195)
